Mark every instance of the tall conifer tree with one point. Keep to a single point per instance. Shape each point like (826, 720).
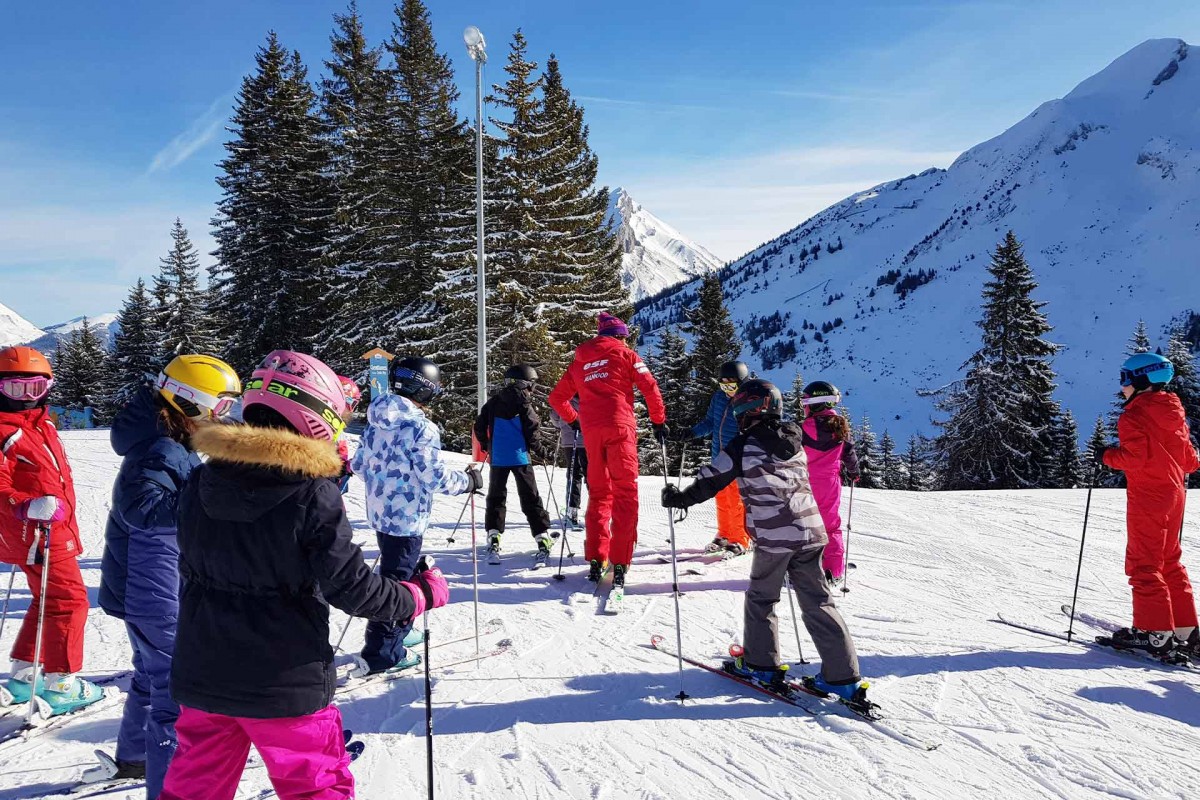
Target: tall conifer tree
(714, 340)
(136, 348)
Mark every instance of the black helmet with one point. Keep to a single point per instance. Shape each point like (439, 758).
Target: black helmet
(757, 400)
(521, 372)
(821, 396)
(733, 371)
(418, 379)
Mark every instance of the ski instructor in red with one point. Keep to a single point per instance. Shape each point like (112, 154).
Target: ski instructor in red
(603, 375)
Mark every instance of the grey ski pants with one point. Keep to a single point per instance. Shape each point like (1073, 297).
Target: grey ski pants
(839, 662)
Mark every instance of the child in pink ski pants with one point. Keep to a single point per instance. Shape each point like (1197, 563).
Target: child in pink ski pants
(829, 450)
(305, 756)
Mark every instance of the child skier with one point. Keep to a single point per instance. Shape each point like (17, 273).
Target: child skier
(506, 430)
(721, 425)
(570, 441)
(37, 498)
(1156, 454)
(830, 453)
(353, 396)
(767, 461)
(400, 460)
(139, 573)
(265, 549)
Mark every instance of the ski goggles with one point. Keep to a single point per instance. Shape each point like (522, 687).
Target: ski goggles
(33, 387)
(728, 387)
(219, 406)
(831, 399)
(1128, 375)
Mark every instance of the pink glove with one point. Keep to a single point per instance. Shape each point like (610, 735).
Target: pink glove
(42, 509)
(429, 590)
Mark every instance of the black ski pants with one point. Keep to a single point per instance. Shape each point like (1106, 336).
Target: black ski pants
(531, 501)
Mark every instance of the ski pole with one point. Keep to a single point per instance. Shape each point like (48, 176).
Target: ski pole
(12, 571)
(846, 555)
(337, 648)
(475, 570)
(550, 482)
(424, 565)
(41, 623)
(1079, 567)
(787, 585)
(450, 540)
(674, 581)
(563, 521)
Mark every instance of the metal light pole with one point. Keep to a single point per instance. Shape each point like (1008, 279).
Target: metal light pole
(477, 49)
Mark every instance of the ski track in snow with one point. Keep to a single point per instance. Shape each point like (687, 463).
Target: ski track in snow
(581, 707)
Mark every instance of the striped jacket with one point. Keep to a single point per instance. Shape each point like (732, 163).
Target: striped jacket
(769, 464)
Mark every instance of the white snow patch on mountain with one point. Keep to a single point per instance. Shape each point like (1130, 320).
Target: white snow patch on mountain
(654, 255)
(105, 326)
(1102, 187)
(15, 329)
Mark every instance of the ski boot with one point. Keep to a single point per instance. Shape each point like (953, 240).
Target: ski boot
(733, 550)
(595, 570)
(543, 543)
(17, 689)
(619, 573)
(853, 692)
(1190, 646)
(573, 518)
(493, 549)
(65, 693)
(832, 581)
(112, 769)
(1160, 644)
(409, 661)
(773, 678)
(717, 545)
(414, 638)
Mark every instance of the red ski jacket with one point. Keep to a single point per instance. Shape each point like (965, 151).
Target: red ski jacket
(1154, 448)
(603, 374)
(33, 464)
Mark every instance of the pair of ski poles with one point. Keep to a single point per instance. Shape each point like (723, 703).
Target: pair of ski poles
(44, 529)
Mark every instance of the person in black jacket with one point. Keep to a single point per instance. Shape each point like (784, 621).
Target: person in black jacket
(265, 549)
(506, 429)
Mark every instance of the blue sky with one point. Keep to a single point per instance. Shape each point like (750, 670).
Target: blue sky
(733, 122)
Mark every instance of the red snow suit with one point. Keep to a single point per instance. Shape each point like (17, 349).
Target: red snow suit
(604, 374)
(33, 464)
(1156, 455)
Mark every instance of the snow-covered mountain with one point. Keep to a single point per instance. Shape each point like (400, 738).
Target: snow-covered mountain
(105, 326)
(15, 329)
(653, 254)
(880, 293)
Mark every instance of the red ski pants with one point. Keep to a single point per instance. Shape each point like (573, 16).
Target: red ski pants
(66, 616)
(1162, 593)
(305, 756)
(612, 477)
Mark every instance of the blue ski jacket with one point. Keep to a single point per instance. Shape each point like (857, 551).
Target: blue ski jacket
(139, 572)
(718, 422)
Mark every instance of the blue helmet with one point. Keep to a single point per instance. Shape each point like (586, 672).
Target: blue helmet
(1146, 369)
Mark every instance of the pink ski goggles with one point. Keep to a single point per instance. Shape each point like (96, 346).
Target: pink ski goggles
(33, 387)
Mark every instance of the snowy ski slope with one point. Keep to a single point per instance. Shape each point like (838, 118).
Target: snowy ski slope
(580, 707)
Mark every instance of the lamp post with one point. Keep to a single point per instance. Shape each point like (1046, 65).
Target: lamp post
(477, 49)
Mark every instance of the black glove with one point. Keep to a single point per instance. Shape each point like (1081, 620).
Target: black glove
(673, 498)
(661, 432)
(1099, 457)
(474, 478)
(682, 435)
(574, 424)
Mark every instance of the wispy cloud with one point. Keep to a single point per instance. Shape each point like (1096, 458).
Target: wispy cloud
(648, 105)
(202, 131)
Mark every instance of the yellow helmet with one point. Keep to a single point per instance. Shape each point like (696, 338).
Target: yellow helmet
(201, 387)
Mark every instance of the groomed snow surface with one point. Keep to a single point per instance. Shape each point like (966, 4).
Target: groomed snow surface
(580, 707)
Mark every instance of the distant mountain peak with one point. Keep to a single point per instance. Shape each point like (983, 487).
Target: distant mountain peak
(15, 329)
(654, 255)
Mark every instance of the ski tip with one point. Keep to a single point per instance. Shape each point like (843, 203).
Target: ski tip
(656, 640)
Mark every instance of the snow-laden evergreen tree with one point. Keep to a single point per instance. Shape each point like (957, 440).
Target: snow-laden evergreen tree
(1102, 437)
(136, 348)
(672, 368)
(869, 462)
(891, 464)
(181, 306)
(81, 371)
(1140, 341)
(274, 217)
(1186, 384)
(918, 476)
(714, 341)
(998, 435)
(793, 400)
(1070, 471)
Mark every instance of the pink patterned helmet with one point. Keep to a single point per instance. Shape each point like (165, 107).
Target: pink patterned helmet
(302, 390)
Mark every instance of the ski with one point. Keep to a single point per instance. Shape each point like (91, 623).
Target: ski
(354, 684)
(357, 667)
(615, 601)
(1105, 640)
(796, 699)
(1092, 644)
(26, 731)
(603, 588)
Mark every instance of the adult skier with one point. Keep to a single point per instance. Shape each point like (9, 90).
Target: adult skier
(720, 423)
(506, 429)
(766, 460)
(830, 452)
(37, 494)
(139, 573)
(1156, 454)
(604, 373)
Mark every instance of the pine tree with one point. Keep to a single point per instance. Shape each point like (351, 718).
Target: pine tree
(1140, 341)
(80, 370)
(1102, 437)
(867, 450)
(135, 356)
(181, 305)
(1186, 384)
(671, 367)
(275, 214)
(917, 474)
(1002, 413)
(793, 401)
(891, 465)
(714, 341)
(1069, 470)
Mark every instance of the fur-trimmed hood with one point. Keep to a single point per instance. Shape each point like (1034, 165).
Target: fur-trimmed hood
(255, 470)
(273, 448)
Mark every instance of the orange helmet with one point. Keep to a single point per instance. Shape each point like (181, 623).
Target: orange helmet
(25, 361)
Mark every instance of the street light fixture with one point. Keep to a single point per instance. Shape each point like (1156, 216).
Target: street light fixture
(477, 49)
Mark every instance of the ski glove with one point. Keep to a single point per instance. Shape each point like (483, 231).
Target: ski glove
(42, 509)
(429, 590)
(661, 432)
(474, 478)
(672, 497)
(574, 424)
